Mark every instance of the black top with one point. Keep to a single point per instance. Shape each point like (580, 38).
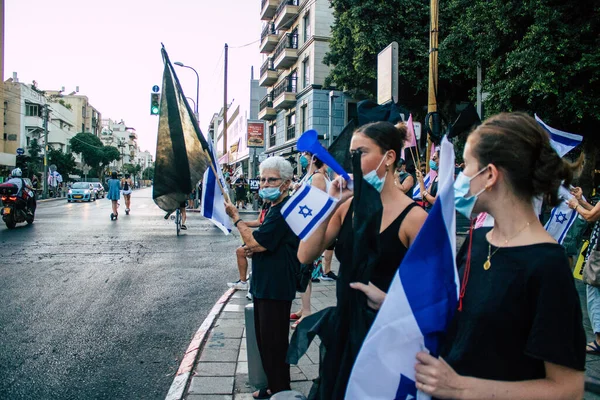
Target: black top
(521, 312)
(273, 270)
(392, 249)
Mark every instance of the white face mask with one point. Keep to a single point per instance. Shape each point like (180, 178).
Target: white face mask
(462, 186)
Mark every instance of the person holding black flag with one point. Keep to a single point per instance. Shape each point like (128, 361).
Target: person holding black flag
(374, 226)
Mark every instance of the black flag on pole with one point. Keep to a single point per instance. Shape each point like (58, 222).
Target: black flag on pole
(182, 152)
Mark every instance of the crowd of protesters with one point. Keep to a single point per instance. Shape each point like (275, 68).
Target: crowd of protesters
(518, 330)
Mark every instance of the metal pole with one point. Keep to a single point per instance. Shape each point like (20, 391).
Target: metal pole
(46, 115)
(433, 76)
(225, 102)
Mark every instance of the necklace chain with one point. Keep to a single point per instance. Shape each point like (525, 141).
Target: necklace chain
(488, 263)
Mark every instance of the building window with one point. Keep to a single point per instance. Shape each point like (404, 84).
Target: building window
(28, 141)
(307, 32)
(272, 135)
(32, 110)
(82, 127)
(303, 111)
(306, 72)
(291, 126)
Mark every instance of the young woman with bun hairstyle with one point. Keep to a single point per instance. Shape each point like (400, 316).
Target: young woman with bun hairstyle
(517, 333)
(378, 145)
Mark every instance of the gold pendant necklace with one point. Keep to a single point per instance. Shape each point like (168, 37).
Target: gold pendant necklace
(488, 263)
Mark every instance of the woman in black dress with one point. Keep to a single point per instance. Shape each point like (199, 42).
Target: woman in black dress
(518, 332)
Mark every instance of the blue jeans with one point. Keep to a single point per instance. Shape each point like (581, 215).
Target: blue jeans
(593, 306)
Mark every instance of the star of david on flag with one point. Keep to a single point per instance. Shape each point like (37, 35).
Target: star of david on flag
(561, 218)
(307, 209)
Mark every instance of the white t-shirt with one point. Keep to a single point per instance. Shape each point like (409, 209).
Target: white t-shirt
(18, 182)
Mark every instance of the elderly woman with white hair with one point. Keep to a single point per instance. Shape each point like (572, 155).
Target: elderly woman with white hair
(273, 248)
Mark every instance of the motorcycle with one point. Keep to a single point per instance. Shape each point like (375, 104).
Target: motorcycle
(15, 208)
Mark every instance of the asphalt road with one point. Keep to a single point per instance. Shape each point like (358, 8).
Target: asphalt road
(94, 309)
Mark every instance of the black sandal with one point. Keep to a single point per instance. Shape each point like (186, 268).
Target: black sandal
(262, 394)
(593, 348)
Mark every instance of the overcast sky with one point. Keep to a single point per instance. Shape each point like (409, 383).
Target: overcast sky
(111, 50)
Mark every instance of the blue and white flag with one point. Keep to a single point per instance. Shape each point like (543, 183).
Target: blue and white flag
(418, 307)
(427, 181)
(213, 202)
(562, 142)
(307, 209)
(562, 217)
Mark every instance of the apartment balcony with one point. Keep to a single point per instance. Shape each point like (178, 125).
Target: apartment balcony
(286, 13)
(34, 123)
(284, 94)
(268, 8)
(286, 53)
(266, 111)
(268, 38)
(268, 74)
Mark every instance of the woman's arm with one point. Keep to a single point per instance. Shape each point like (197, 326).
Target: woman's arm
(408, 183)
(325, 234)
(436, 378)
(245, 231)
(592, 215)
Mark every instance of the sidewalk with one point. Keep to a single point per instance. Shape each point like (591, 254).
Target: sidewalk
(217, 361)
(221, 369)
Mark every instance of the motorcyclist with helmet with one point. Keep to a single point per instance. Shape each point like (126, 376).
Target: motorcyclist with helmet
(17, 179)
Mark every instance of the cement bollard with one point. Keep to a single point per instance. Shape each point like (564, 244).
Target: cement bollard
(256, 373)
(288, 395)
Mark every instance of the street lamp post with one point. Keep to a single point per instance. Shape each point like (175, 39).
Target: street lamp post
(180, 64)
(195, 108)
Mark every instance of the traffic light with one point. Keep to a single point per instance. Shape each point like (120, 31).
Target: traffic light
(154, 103)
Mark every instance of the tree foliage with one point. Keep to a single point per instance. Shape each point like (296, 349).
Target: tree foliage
(148, 173)
(93, 152)
(537, 55)
(65, 163)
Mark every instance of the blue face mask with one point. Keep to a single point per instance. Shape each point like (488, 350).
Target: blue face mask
(433, 165)
(374, 180)
(270, 193)
(462, 185)
(303, 162)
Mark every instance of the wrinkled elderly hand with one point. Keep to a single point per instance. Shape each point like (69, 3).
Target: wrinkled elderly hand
(231, 210)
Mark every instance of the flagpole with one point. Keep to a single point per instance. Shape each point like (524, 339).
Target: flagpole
(433, 75)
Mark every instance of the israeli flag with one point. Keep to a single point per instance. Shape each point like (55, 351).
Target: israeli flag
(428, 179)
(418, 307)
(307, 209)
(562, 217)
(213, 202)
(562, 142)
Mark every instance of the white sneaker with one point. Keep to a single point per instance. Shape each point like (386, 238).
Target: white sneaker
(239, 285)
(249, 296)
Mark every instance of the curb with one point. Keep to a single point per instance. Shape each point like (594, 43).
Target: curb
(49, 200)
(184, 373)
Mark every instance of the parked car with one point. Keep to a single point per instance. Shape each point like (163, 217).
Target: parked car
(99, 190)
(81, 191)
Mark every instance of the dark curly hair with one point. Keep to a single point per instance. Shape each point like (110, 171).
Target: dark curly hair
(387, 136)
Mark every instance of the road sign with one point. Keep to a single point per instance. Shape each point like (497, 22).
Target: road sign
(20, 151)
(155, 88)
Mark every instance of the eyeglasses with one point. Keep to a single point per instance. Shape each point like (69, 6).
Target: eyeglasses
(270, 181)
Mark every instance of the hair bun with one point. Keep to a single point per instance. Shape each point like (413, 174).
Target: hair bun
(549, 172)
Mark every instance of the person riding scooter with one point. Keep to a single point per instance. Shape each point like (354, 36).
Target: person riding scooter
(17, 179)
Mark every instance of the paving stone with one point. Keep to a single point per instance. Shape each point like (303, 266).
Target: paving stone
(227, 333)
(302, 386)
(310, 371)
(305, 360)
(243, 355)
(230, 315)
(215, 369)
(218, 343)
(243, 396)
(242, 301)
(298, 377)
(294, 369)
(239, 294)
(242, 367)
(211, 385)
(228, 323)
(234, 308)
(242, 385)
(209, 397)
(220, 355)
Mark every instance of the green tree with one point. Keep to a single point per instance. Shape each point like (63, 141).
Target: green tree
(65, 163)
(89, 146)
(31, 164)
(148, 173)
